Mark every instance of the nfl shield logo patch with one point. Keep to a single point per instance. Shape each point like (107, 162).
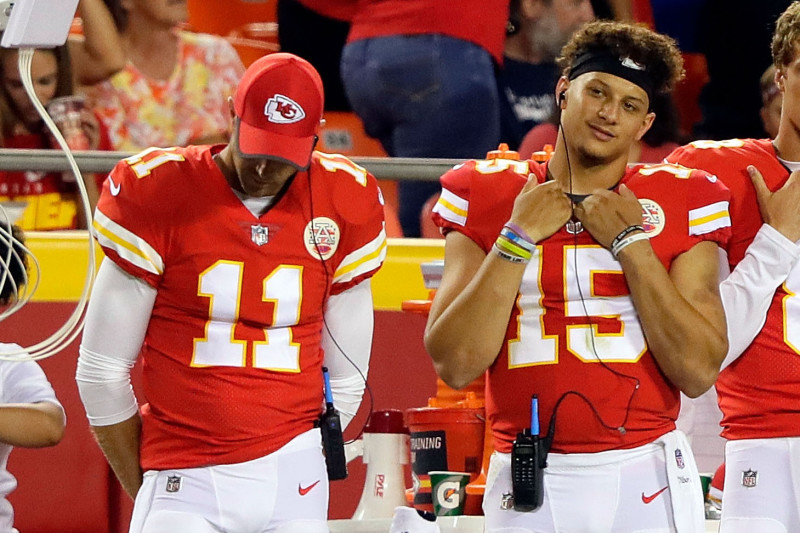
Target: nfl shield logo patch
(259, 234)
(173, 483)
(679, 458)
(749, 478)
(574, 227)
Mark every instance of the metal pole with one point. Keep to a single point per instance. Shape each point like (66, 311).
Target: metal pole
(398, 168)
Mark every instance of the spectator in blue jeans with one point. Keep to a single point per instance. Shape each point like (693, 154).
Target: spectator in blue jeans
(421, 76)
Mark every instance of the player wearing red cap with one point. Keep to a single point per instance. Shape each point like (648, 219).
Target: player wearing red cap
(229, 269)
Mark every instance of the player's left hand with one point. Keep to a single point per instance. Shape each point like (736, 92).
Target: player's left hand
(604, 214)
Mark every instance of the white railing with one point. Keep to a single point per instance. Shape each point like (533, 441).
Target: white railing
(399, 168)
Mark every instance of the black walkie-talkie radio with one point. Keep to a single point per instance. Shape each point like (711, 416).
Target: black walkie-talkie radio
(332, 440)
(528, 461)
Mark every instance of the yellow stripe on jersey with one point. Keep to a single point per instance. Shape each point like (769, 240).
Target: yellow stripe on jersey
(127, 245)
(452, 208)
(709, 218)
(367, 258)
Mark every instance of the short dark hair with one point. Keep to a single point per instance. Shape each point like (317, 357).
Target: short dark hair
(17, 266)
(786, 36)
(658, 53)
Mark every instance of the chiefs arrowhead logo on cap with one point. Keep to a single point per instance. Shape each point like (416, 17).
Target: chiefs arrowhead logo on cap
(281, 109)
(279, 104)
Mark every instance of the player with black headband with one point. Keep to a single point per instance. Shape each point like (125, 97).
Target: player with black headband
(594, 287)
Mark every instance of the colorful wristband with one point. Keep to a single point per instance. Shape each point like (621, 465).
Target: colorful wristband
(509, 234)
(509, 257)
(509, 247)
(521, 232)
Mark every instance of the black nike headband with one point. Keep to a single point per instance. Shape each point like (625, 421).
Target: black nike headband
(622, 67)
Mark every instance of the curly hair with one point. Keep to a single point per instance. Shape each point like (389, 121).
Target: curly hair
(658, 53)
(17, 264)
(786, 36)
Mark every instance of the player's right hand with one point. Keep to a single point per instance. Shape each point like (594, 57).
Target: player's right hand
(541, 209)
(779, 209)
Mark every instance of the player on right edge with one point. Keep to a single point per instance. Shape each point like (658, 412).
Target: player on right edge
(759, 386)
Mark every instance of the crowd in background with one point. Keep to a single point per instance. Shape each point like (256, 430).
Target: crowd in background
(156, 74)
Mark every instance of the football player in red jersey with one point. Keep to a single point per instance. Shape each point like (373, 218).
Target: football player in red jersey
(593, 286)
(235, 271)
(759, 385)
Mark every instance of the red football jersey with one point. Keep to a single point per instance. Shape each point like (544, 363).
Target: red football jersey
(232, 358)
(758, 393)
(574, 307)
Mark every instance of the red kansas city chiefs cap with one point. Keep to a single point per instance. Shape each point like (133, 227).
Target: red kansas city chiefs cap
(279, 104)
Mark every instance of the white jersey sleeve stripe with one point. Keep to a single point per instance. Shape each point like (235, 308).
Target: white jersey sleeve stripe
(128, 245)
(706, 210)
(367, 258)
(709, 218)
(452, 208)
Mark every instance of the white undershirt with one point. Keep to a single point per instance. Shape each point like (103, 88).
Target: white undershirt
(257, 205)
(791, 165)
(747, 292)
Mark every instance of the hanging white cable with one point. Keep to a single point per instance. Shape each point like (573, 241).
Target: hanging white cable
(22, 294)
(5, 277)
(73, 325)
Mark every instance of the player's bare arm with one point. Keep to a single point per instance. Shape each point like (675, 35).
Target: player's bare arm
(31, 425)
(681, 314)
(120, 445)
(461, 337)
(680, 310)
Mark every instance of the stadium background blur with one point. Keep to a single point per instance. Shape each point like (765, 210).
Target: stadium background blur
(70, 488)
